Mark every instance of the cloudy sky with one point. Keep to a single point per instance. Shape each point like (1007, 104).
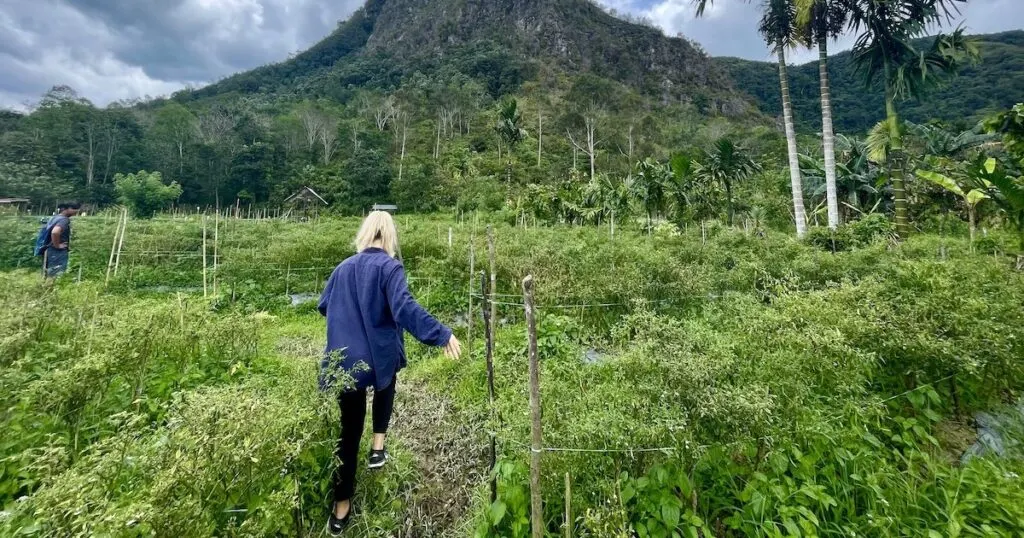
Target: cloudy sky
(123, 49)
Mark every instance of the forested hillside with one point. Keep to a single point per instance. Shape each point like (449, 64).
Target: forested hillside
(996, 83)
(400, 103)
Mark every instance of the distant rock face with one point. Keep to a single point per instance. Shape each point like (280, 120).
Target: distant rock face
(575, 34)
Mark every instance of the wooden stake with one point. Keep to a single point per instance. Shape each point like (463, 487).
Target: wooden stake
(120, 242)
(489, 352)
(494, 282)
(216, 242)
(113, 248)
(287, 278)
(536, 509)
(449, 238)
(568, 508)
(472, 270)
(204, 257)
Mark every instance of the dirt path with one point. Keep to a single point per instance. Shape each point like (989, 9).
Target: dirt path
(450, 459)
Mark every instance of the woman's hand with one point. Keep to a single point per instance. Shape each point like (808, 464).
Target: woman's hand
(453, 349)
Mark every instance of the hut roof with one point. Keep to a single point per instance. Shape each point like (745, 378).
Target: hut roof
(304, 194)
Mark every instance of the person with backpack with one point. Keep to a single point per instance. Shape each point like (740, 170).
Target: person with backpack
(54, 240)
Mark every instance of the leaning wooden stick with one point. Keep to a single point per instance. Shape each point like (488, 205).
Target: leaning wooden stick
(536, 444)
(120, 241)
(489, 353)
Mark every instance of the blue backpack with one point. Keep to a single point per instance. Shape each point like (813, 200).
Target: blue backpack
(43, 239)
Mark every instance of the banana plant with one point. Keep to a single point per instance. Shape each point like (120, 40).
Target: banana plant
(971, 197)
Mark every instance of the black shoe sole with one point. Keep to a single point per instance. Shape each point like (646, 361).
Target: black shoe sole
(376, 466)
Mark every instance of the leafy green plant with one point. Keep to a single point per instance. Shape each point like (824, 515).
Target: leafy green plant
(145, 193)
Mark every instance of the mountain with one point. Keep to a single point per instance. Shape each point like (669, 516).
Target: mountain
(500, 42)
(996, 83)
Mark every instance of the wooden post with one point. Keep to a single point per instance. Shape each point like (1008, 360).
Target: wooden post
(120, 242)
(703, 234)
(449, 238)
(472, 270)
(204, 257)
(568, 508)
(287, 278)
(494, 283)
(216, 243)
(489, 352)
(536, 509)
(113, 248)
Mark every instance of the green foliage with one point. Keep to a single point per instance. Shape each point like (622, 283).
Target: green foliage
(145, 192)
(759, 362)
(993, 84)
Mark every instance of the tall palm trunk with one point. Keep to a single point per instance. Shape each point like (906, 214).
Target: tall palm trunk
(794, 164)
(896, 162)
(828, 137)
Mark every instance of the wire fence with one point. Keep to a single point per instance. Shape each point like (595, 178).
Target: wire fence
(686, 445)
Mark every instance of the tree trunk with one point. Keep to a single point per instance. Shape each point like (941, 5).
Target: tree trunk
(972, 222)
(794, 164)
(401, 159)
(540, 136)
(899, 192)
(90, 165)
(111, 141)
(828, 135)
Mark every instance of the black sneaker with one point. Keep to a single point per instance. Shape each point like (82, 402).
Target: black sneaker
(377, 459)
(336, 526)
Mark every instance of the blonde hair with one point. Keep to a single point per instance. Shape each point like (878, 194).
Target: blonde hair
(378, 230)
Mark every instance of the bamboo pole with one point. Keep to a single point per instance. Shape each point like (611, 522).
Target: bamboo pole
(494, 285)
(472, 268)
(204, 257)
(216, 243)
(536, 509)
(568, 508)
(120, 242)
(113, 248)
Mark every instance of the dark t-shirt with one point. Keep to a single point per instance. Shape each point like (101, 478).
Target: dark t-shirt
(65, 230)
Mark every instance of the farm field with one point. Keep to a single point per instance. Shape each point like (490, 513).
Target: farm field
(710, 381)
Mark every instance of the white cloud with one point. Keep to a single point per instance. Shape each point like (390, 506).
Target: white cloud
(110, 50)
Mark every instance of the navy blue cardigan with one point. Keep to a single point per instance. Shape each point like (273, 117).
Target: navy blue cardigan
(367, 304)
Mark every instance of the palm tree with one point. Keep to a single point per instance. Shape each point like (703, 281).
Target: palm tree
(509, 131)
(726, 163)
(650, 187)
(821, 20)
(885, 53)
(779, 27)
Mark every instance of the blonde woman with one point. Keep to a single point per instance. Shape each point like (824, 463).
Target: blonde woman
(367, 304)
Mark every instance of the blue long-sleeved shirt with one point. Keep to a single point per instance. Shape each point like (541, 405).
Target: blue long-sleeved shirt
(367, 304)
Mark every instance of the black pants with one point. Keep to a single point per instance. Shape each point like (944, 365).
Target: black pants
(353, 415)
